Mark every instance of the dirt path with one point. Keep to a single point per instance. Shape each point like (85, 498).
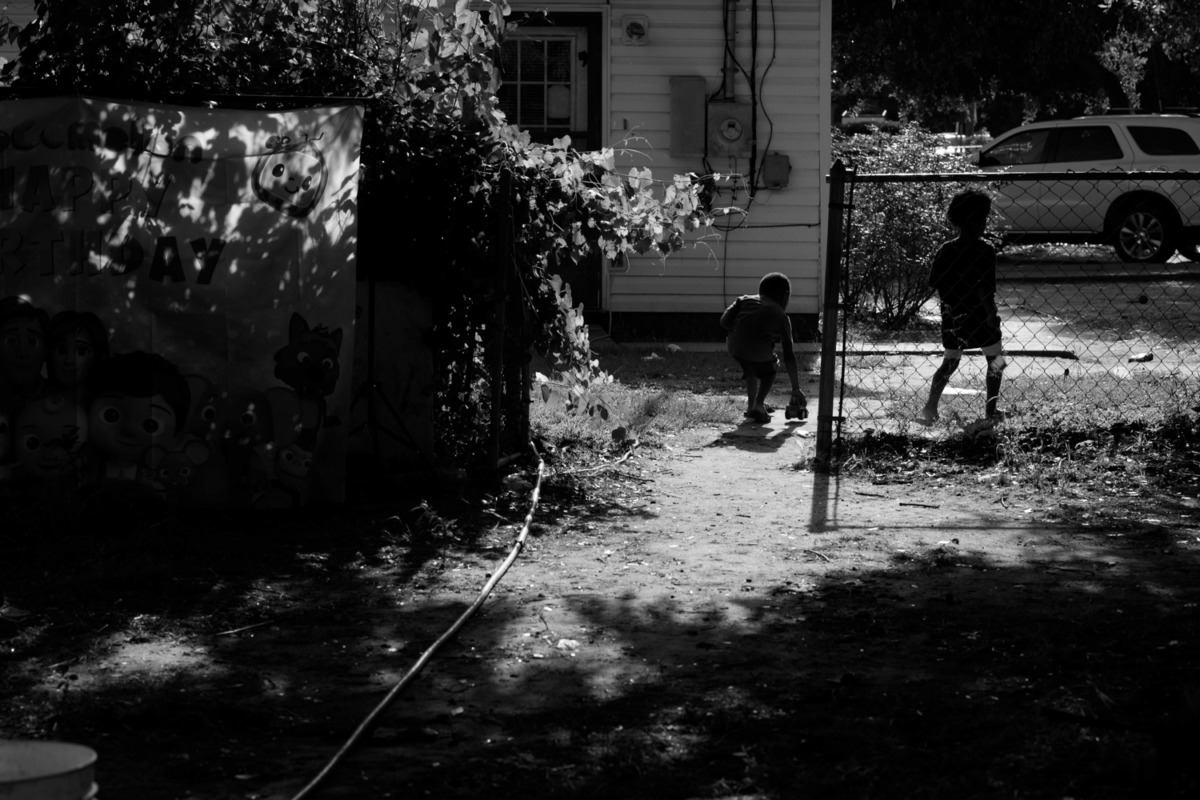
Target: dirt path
(716, 624)
(731, 627)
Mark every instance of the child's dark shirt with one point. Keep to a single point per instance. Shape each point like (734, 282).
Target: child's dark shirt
(964, 274)
(755, 326)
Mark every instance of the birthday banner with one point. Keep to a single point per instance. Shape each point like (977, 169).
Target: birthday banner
(177, 298)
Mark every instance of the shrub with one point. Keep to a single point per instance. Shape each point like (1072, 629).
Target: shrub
(894, 227)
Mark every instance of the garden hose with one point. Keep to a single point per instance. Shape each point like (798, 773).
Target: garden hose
(369, 721)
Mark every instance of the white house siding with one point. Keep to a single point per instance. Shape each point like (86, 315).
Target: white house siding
(783, 231)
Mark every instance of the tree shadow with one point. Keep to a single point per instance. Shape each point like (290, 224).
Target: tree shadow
(940, 674)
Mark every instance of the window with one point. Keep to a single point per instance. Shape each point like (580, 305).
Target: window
(1161, 141)
(542, 89)
(1023, 148)
(1087, 143)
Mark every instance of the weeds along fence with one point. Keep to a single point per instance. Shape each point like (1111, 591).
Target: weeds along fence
(1097, 288)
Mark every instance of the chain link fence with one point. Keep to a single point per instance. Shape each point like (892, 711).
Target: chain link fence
(1097, 289)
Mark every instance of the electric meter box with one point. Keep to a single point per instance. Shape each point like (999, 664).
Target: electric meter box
(729, 129)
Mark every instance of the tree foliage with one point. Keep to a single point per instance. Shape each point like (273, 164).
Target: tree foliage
(447, 188)
(1016, 60)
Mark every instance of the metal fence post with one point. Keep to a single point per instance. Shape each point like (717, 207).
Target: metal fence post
(829, 318)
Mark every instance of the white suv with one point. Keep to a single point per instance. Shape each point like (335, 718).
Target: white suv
(1144, 218)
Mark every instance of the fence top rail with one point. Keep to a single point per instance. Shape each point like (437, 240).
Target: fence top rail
(1010, 177)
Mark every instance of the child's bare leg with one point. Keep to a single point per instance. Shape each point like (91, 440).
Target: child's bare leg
(929, 413)
(995, 373)
(764, 388)
(751, 393)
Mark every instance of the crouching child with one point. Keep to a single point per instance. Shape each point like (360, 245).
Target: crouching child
(756, 323)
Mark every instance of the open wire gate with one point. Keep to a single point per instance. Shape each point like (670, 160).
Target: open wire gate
(1092, 337)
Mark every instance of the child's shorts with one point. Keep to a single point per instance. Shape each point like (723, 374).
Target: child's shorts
(763, 370)
(975, 326)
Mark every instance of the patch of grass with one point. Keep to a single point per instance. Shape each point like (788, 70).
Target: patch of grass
(886, 392)
(655, 391)
(636, 412)
(1116, 475)
(699, 371)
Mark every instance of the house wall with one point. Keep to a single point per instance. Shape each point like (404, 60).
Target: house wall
(782, 230)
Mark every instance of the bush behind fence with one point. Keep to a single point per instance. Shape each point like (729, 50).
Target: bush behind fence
(1098, 292)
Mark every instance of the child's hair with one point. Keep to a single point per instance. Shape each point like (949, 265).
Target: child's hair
(17, 307)
(141, 374)
(775, 286)
(65, 324)
(969, 211)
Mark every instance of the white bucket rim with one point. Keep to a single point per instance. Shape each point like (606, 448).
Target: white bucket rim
(41, 759)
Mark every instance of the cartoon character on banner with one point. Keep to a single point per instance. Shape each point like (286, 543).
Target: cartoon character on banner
(22, 352)
(141, 401)
(292, 474)
(174, 471)
(245, 427)
(189, 470)
(49, 437)
(77, 344)
(291, 178)
(310, 363)
(291, 486)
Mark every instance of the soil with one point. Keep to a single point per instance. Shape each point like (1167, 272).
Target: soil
(698, 618)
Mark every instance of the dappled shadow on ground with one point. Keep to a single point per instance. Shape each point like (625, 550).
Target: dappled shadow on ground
(244, 659)
(941, 676)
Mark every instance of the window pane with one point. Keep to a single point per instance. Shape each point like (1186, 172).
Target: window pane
(1164, 141)
(533, 61)
(508, 60)
(1025, 148)
(1088, 143)
(558, 104)
(558, 61)
(533, 105)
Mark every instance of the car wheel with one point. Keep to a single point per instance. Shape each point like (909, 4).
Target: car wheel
(1145, 234)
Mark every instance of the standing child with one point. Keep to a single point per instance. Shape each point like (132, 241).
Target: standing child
(755, 323)
(964, 275)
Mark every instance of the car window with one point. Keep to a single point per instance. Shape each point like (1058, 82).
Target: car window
(1163, 141)
(1021, 148)
(1086, 143)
